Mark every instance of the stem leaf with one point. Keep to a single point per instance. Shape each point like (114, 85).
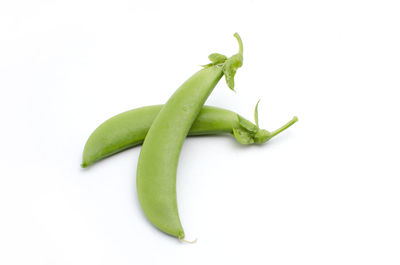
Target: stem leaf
(256, 113)
(247, 125)
(242, 136)
(217, 58)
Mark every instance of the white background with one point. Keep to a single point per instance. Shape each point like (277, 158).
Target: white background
(324, 192)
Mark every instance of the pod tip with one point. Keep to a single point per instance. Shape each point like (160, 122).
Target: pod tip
(187, 241)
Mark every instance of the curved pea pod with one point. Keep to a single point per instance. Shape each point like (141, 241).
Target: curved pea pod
(128, 129)
(158, 159)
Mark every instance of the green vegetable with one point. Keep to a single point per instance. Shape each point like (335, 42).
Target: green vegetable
(129, 129)
(158, 160)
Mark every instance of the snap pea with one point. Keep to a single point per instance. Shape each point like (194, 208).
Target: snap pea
(129, 129)
(158, 159)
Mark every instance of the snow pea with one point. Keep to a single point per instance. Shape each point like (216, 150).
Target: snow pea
(158, 159)
(128, 129)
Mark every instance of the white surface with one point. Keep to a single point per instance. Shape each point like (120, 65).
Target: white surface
(324, 192)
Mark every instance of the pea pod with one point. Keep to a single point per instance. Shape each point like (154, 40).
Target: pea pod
(158, 159)
(129, 129)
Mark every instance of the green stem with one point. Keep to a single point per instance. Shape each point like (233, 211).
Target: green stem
(240, 43)
(284, 127)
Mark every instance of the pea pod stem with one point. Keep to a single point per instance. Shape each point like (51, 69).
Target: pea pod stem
(284, 127)
(240, 43)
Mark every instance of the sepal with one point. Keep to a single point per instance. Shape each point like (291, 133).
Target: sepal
(242, 136)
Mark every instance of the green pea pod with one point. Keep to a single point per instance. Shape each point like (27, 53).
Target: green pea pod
(158, 159)
(129, 129)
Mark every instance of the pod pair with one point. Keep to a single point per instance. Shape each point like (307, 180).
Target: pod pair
(163, 129)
